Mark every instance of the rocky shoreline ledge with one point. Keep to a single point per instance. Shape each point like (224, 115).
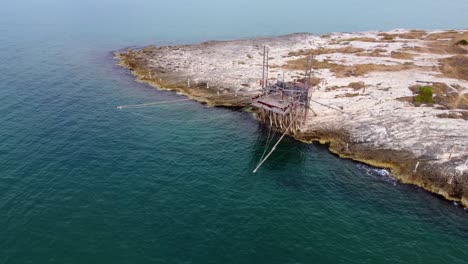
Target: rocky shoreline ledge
(403, 94)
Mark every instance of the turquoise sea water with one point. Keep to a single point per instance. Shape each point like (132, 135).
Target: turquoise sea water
(82, 182)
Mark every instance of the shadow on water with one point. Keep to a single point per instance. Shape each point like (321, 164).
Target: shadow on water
(286, 166)
(289, 152)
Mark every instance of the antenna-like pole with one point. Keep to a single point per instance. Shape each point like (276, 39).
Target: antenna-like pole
(284, 86)
(263, 68)
(267, 66)
(306, 84)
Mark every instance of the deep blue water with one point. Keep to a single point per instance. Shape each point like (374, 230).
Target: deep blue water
(82, 182)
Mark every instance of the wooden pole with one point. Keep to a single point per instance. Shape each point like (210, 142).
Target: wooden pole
(308, 70)
(267, 54)
(282, 92)
(263, 68)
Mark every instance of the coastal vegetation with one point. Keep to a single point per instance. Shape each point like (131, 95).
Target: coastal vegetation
(321, 51)
(357, 85)
(363, 39)
(424, 96)
(455, 67)
(441, 94)
(440, 43)
(402, 55)
(389, 38)
(374, 53)
(341, 70)
(462, 42)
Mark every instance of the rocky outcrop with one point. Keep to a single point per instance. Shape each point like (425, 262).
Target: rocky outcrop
(377, 122)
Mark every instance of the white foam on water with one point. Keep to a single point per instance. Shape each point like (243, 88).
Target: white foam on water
(383, 174)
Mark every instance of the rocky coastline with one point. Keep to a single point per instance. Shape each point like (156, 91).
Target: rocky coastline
(377, 79)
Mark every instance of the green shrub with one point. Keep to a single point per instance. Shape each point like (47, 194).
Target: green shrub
(462, 42)
(424, 96)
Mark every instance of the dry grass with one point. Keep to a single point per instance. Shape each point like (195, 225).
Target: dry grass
(442, 35)
(354, 70)
(413, 34)
(439, 47)
(362, 69)
(315, 52)
(314, 81)
(363, 39)
(387, 37)
(454, 115)
(374, 53)
(354, 85)
(425, 50)
(347, 95)
(357, 85)
(402, 55)
(452, 46)
(443, 46)
(455, 67)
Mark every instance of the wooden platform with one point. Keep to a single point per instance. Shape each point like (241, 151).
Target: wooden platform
(274, 103)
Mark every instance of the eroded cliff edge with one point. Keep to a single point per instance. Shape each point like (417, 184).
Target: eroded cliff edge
(378, 79)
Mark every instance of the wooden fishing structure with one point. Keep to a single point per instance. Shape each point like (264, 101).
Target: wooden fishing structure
(283, 105)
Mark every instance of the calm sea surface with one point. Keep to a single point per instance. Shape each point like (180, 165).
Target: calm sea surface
(84, 182)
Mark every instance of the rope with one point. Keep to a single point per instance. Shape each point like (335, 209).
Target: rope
(181, 119)
(172, 101)
(327, 106)
(274, 134)
(268, 142)
(274, 147)
(151, 104)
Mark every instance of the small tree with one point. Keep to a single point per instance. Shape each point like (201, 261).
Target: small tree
(462, 42)
(424, 96)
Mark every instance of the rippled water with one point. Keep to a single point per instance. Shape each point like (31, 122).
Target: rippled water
(84, 182)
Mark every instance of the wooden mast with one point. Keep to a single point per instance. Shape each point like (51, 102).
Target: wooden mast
(267, 51)
(263, 68)
(306, 84)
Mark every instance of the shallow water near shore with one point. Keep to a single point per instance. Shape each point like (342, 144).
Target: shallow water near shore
(84, 182)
